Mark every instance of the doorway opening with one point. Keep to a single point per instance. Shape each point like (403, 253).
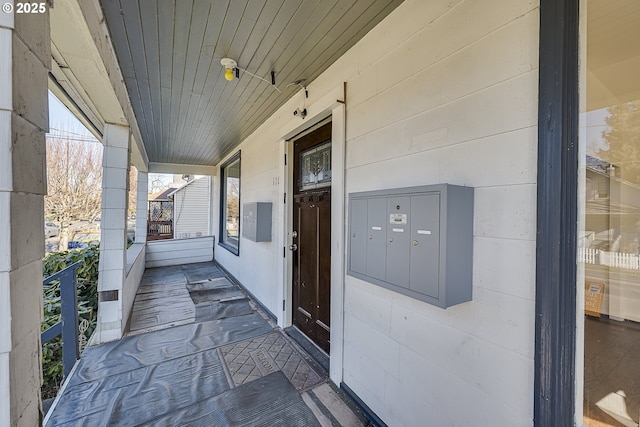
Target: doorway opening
(311, 287)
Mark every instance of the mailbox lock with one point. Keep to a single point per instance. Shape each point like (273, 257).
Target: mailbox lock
(397, 207)
(415, 243)
(390, 239)
(370, 236)
(353, 235)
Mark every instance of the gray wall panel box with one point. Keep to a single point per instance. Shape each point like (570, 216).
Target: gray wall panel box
(256, 221)
(417, 241)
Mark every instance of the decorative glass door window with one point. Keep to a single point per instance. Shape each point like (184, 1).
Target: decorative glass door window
(315, 167)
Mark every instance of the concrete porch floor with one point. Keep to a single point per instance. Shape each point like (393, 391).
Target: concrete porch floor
(199, 352)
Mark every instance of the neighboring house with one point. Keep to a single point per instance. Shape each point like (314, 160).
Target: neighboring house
(612, 237)
(162, 196)
(181, 212)
(354, 99)
(192, 208)
(160, 222)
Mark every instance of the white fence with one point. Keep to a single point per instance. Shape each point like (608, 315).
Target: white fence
(610, 259)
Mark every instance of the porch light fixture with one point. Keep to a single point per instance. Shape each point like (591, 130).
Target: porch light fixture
(231, 68)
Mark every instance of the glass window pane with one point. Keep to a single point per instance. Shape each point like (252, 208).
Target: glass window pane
(230, 209)
(233, 201)
(609, 233)
(315, 167)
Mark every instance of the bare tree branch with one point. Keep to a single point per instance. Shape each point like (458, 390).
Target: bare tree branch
(133, 189)
(74, 180)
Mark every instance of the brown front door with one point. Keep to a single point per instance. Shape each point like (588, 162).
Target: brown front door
(312, 227)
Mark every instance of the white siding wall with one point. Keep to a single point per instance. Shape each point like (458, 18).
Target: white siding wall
(259, 167)
(439, 92)
(161, 253)
(191, 206)
(25, 59)
(134, 272)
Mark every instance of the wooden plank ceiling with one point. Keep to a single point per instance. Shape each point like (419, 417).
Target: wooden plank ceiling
(169, 52)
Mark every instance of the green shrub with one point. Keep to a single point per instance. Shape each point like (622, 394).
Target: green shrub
(87, 286)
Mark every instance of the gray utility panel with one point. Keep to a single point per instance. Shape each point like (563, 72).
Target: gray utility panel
(417, 241)
(256, 221)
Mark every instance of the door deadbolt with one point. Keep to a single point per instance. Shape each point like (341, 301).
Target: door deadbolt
(294, 234)
(293, 247)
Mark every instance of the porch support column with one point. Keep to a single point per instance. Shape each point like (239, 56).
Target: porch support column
(113, 232)
(142, 207)
(24, 62)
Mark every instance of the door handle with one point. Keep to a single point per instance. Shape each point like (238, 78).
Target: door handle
(293, 247)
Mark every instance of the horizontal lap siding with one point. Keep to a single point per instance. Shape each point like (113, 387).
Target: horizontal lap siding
(438, 92)
(191, 209)
(256, 267)
(459, 107)
(176, 252)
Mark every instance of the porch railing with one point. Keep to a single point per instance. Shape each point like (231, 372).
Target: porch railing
(68, 324)
(158, 230)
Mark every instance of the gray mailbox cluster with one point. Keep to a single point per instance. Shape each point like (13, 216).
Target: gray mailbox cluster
(417, 241)
(256, 221)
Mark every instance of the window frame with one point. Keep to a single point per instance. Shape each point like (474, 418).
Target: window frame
(557, 215)
(222, 240)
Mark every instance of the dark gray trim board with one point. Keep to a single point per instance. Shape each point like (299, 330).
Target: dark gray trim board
(557, 186)
(223, 204)
(371, 416)
(253, 297)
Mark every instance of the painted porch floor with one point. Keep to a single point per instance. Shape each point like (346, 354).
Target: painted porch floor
(199, 353)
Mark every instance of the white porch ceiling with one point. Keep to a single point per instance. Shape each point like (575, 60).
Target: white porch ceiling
(613, 52)
(169, 53)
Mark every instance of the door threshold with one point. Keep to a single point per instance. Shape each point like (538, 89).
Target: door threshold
(309, 346)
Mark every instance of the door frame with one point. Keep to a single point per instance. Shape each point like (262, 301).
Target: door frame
(312, 330)
(330, 105)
